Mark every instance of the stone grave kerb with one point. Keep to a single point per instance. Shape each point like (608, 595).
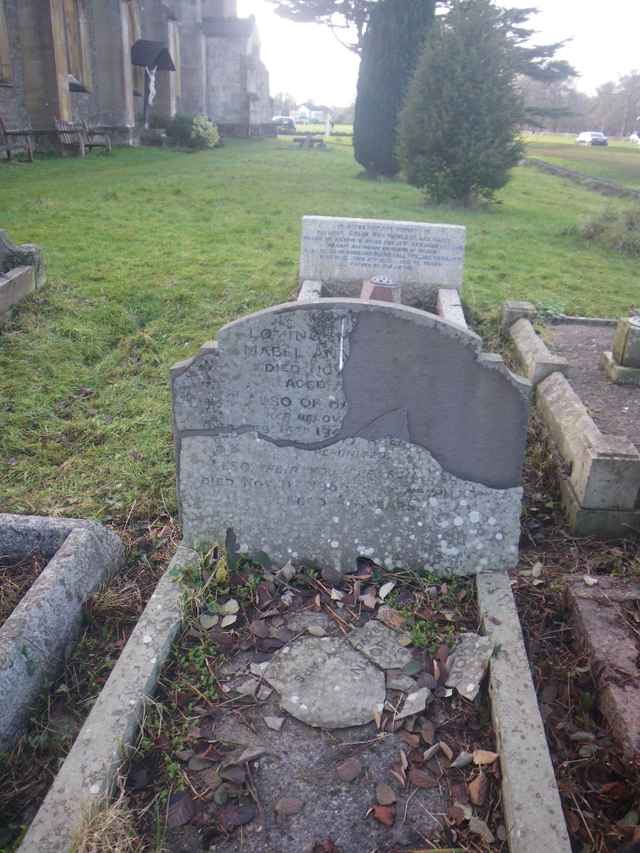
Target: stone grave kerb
(313, 423)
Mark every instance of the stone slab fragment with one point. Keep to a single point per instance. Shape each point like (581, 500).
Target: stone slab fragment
(89, 773)
(324, 682)
(14, 286)
(386, 499)
(604, 634)
(626, 343)
(532, 807)
(618, 373)
(533, 354)
(43, 627)
(449, 307)
(420, 255)
(380, 645)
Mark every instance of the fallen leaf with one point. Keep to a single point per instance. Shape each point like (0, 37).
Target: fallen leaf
(230, 606)
(228, 621)
(287, 572)
(385, 795)
(483, 756)
(250, 754)
(208, 620)
(391, 618)
(462, 761)
(421, 779)
(446, 750)
(259, 629)
(181, 809)
(288, 807)
(428, 732)
(349, 770)
(386, 589)
(589, 581)
(236, 775)
(456, 815)
(428, 754)
(196, 763)
(478, 789)
(384, 814)
(316, 631)
(233, 816)
(337, 595)
(411, 740)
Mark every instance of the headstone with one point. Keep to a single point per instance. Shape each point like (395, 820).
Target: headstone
(421, 256)
(340, 428)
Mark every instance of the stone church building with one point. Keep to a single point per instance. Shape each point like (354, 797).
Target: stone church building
(71, 59)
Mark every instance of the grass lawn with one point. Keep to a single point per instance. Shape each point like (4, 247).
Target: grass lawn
(618, 162)
(149, 252)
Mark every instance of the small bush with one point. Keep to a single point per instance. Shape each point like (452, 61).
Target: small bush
(617, 229)
(195, 132)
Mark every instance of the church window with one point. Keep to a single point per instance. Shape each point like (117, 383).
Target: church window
(6, 71)
(77, 42)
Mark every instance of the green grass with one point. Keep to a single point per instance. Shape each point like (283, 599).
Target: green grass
(149, 252)
(619, 162)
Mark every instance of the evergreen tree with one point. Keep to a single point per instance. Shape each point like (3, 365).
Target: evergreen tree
(391, 50)
(458, 134)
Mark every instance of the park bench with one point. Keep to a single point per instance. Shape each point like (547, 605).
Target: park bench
(14, 141)
(79, 135)
(309, 141)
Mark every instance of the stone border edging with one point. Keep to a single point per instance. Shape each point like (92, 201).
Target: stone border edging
(89, 773)
(533, 811)
(45, 623)
(595, 184)
(537, 360)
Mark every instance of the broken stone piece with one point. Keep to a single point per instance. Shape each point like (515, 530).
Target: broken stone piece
(415, 703)
(399, 681)
(326, 683)
(274, 723)
(380, 644)
(468, 664)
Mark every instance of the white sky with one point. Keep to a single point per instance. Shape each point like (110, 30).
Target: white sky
(307, 61)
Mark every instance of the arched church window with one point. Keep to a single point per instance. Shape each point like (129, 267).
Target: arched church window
(135, 33)
(6, 69)
(76, 32)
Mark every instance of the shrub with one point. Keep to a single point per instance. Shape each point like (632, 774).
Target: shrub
(195, 132)
(458, 134)
(616, 229)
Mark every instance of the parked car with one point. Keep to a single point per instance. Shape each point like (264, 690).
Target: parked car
(635, 138)
(592, 137)
(284, 124)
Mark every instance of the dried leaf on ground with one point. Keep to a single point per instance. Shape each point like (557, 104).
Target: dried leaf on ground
(384, 814)
(288, 807)
(422, 779)
(349, 770)
(385, 795)
(181, 809)
(391, 618)
(229, 620)
(483, 756)
(478, 789)
(479, 827)
(232, 816)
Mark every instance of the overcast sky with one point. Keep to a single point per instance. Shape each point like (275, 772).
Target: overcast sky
(306, 59)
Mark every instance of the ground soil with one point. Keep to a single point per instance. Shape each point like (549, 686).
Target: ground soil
(16, 579)
(614, 408)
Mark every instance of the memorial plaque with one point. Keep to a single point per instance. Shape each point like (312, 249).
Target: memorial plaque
(341, 428)
(421, 255)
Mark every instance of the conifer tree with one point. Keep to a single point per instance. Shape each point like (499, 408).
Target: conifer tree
(391, 49)
(458, 133)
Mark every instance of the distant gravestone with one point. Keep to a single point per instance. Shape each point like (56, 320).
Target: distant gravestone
(342, 253)
(341, 428)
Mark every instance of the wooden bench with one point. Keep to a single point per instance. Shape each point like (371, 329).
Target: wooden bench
(79, 135)
(310, 141)
(13, 141)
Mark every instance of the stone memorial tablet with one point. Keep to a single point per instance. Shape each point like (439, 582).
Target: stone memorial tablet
(419, 255)
(340, 428)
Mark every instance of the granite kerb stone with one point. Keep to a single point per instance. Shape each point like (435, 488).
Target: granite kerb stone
(44, 625)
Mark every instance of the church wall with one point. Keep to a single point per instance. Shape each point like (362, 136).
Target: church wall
(228, 100)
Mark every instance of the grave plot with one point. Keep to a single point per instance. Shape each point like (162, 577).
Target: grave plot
(107, 618)
(43, 624)
(311, 439)
(592, 419)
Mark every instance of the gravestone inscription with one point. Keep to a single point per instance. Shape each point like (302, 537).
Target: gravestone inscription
(421, 255)
(341, 428)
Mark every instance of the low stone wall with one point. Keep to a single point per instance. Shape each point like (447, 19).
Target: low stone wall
(595, 184)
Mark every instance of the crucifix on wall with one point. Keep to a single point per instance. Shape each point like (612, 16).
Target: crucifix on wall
(153, 56)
